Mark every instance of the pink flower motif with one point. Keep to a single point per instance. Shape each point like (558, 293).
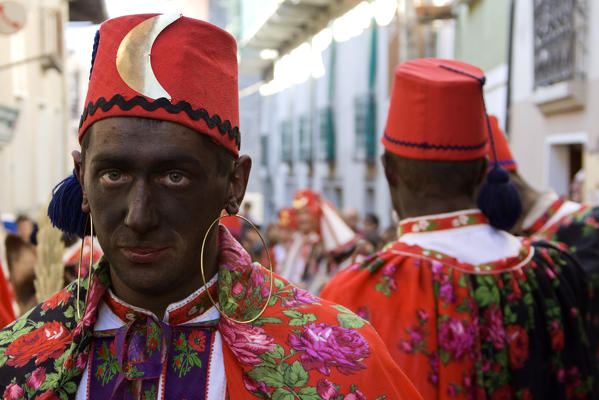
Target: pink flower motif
(493, 330)
(416, 335)
(446, 292)
(561, 375)
(456, 337)
(13, 392)
(237, 288)
(255, 387)
(357, 395)
(422, 315)
(364, 312)
(326, 389)
(405, 346)
(37, 378)
(81, 361)
(451, 391)
(300, 297)
(327, 346)
(246, 342)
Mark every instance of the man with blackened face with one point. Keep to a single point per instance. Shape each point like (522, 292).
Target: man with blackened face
(175, 309)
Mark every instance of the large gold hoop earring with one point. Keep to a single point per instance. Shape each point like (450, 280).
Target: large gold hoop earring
(204, 276)
(89, 268)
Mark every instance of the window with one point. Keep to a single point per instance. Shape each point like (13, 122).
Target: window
(365, 125)
(559, 35)
(326, 124)
(286, 141)
(305, 139)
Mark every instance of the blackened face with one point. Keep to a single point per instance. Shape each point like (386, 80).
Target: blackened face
(153, 188)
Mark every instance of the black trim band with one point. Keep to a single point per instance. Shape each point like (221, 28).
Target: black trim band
(224, 127)
(428, 146)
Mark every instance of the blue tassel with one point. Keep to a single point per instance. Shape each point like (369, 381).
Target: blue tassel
(94, 52)
(499, 199)
(64, 209)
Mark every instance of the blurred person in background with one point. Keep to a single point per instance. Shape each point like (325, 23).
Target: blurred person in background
(322, 245)
(25, 228)
(466, 309)
(74, 258)
(285, 229)
(371, 232)
(351, 216)
(21, 259)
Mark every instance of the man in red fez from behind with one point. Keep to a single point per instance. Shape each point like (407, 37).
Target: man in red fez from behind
(468, 311)
(159, 161)
(546, 216)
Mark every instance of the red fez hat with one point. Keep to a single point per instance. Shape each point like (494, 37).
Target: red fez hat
(287, 218)
(436, 113)
(307, 199)
(166, 67)
(504, 154)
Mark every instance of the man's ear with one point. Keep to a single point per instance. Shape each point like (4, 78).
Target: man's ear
(80, 173)
(390, 172)
(237, 183)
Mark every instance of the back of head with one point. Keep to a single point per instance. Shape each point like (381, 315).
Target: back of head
(438, 180)
(437, 135)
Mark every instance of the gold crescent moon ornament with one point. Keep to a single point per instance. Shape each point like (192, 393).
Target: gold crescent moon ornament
(133, 58)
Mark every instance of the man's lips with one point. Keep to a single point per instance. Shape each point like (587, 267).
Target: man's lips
(143, 255)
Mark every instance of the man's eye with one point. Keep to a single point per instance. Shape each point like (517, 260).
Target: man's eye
(174, 179)
(112, 177)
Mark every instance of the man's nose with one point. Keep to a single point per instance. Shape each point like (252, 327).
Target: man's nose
(141, 213)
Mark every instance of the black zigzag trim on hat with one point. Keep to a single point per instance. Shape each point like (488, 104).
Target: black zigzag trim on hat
(224, 127)
(428, 146)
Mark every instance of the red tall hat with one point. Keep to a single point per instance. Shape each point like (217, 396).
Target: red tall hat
(166, 67)
(287, 218)
(307, 199)
(436, 113)
(504, 154)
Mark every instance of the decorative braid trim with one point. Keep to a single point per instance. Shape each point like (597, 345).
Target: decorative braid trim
(429, 146)
(224, 127)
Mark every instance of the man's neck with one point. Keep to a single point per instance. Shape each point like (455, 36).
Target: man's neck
(417, 207)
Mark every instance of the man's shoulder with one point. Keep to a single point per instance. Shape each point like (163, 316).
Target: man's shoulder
(302, 341)
(38, 340)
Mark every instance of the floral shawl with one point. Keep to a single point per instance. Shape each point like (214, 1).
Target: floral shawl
(505, 330)
(301, 348)
(579, 232)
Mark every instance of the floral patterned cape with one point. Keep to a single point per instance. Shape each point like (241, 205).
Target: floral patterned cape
(579, 232)
(301, 348)
(507, 330)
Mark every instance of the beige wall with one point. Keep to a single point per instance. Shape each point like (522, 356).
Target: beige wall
(36, 159)
(532, 131)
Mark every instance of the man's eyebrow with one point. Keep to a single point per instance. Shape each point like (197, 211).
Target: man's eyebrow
(160, 160)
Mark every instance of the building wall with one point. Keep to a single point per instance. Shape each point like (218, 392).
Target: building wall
(481, 32)
(537, 137)
(347, 182)
(37, 157)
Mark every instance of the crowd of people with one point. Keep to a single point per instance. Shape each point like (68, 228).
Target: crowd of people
(487, 291)
(18, 263)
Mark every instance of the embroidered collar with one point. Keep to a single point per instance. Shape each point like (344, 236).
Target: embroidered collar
(540, 222)
(439, 222)
(176, 314)
(524, 255)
